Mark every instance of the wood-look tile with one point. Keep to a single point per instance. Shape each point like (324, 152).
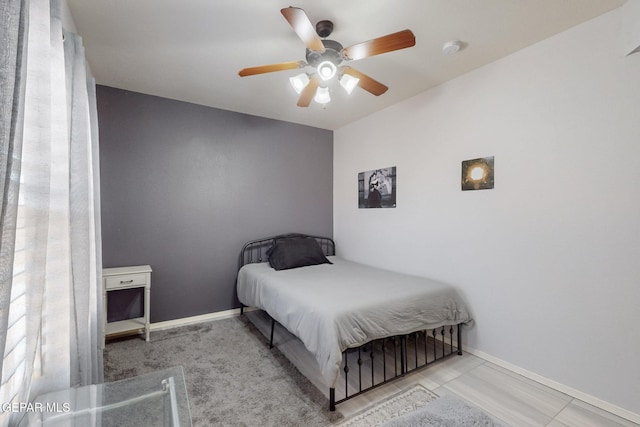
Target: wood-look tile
(579, 413)
(442, 372)
(508, 396)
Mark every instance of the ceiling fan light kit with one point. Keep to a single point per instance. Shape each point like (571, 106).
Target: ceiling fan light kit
(326, 70)
(327, 59)
(322, 95)
(299, 82)
(349, 83)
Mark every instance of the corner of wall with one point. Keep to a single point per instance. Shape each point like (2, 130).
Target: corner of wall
(67, 19)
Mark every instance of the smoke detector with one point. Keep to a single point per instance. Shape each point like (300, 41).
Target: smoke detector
(451, 47)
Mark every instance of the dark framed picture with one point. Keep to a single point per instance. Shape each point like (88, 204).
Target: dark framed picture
(377, 188)
(477, 174)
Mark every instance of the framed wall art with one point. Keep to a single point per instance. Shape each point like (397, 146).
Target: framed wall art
(477, 174)
(377, 188)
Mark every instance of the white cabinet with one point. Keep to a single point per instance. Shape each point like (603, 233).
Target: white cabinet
(121, 278)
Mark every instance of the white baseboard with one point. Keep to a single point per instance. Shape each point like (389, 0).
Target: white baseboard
(185, 321)
(591, 400)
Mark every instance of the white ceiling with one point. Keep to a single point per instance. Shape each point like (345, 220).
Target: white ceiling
(192, 50)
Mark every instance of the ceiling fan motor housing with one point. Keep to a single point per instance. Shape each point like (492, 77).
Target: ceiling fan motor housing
(331, 53)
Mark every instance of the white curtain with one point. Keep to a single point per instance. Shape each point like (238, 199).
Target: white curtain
(12, 60)
(54, 317)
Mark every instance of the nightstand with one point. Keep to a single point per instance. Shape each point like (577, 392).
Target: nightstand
(122, 278)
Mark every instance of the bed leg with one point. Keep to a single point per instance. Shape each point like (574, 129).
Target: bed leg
(459, 340)
(241, 309)
(403, 355)
(273, 325)
(332, 399)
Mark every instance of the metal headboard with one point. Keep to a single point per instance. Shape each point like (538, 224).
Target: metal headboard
(256, 250)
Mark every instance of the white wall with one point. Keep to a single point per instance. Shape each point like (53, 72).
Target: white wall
(549, 260)
(631, 27)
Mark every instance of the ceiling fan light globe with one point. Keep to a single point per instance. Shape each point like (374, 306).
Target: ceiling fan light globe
(326, 70)
(299, 82)
(322, 95)
(348, 82)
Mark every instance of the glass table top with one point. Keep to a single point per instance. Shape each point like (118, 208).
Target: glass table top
(155, 399)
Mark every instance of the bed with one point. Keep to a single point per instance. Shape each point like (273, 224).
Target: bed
(357, 320)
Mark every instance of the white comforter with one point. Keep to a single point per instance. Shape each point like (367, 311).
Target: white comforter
(332, 307)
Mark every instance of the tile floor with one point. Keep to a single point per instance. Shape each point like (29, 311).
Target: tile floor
(508, 397)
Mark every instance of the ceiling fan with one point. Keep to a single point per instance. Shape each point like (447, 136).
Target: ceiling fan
(328, 59)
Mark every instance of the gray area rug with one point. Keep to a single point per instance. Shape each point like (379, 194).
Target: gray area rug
(419, 407)
(232, 377)
(446, 411)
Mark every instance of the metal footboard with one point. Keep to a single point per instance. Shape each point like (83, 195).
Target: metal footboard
(381, 361)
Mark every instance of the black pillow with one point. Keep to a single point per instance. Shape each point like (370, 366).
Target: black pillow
(294, 252)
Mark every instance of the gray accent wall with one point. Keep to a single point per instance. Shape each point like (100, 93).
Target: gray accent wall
(184, 186)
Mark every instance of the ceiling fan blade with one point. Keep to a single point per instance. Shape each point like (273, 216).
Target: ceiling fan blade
(303, 27)
(384, 44)
(252, 71)
(367, 83)
(307, 93)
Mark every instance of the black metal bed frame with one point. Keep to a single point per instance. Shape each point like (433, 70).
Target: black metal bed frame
(379, 361)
